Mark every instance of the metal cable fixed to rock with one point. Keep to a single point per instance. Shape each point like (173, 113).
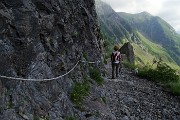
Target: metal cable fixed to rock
(49, 79)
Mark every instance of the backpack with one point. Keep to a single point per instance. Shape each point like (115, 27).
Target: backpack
(116, 56)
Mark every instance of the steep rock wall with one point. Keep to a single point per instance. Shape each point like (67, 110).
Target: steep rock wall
(44, 39)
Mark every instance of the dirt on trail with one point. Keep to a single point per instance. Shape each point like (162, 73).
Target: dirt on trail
(133, 98)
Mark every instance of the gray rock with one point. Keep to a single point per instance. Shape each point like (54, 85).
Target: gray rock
(45, 39)
(127, 49)
(125, 118)
(133, 118)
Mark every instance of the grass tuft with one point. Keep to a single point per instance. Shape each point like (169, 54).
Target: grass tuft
(163, 74)
(80, 90)
(175, 87)
(96, 75)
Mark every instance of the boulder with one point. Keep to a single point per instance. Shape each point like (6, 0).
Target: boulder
(127, 49)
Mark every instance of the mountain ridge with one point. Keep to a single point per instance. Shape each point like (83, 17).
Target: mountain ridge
(158, 31)
(150, 28)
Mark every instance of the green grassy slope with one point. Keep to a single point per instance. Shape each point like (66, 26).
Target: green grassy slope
(156, 30)
(173, 45)
(146, 51)
(151, 36)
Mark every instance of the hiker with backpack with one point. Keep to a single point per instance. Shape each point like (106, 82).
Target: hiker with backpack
(115, 60)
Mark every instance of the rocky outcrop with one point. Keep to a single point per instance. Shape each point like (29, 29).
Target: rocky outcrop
(127, 49)
(44, 39)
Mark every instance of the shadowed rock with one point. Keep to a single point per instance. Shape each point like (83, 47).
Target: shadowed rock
(127, 49)
(44, 39)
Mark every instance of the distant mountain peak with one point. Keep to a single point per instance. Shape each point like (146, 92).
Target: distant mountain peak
(103, 8)
(145, 13)
(141, 13)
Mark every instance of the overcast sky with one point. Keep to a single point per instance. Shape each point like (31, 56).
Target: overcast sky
(166, 9)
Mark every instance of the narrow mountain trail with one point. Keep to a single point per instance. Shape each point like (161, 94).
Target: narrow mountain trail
(133, 98)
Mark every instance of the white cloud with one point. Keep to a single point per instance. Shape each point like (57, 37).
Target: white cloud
(166, 9)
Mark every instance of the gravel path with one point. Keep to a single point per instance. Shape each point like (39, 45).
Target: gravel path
(132, 98)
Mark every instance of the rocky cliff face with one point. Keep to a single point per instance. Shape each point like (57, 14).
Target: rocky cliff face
(44, 39)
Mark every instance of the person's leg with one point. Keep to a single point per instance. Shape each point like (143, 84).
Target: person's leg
(117, 70)
(120, 66)
(113, 67)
